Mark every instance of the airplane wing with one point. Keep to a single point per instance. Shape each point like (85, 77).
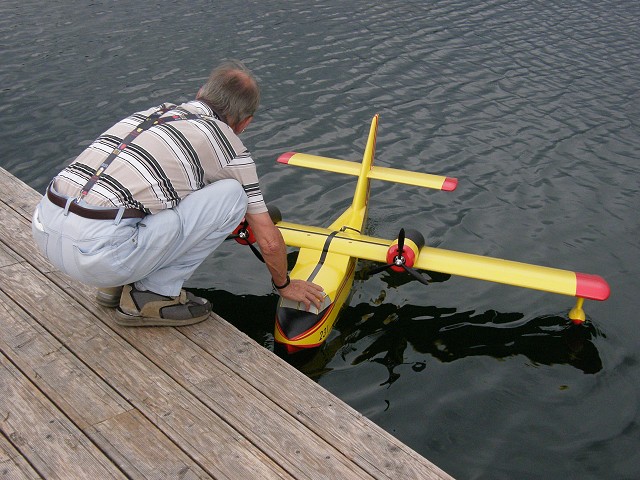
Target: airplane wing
(480, 267)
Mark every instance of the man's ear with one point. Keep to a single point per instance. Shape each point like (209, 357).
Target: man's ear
(242, 124)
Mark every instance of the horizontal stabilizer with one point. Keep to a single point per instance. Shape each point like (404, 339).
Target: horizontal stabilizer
(346, 167)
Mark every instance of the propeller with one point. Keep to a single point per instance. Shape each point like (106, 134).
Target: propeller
(400, 257)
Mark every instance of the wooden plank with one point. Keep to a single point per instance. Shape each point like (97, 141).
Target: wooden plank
(263, 422)
(15, 234)
(13, 465)
(107, 418)
(44, 435)
(17, 195)
(256, 417)
(78, 391)
(8, 257)
(202, 435)
(18, 202)
(373, 449)
(143, 452)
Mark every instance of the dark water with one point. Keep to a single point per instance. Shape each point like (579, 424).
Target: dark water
(533, 105)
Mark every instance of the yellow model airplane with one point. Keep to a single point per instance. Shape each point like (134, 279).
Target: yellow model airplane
(328, 256)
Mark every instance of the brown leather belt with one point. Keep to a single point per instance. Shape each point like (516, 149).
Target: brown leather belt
(93, 213)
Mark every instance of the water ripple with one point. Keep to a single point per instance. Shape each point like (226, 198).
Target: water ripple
(533, 104)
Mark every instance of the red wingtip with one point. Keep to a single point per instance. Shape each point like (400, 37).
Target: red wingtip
(592, 287)
(450, 184)
(284, 158)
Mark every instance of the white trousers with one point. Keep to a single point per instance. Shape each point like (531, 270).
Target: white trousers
(158, 252)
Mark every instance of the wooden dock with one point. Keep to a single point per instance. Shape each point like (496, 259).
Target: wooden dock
(81, 397)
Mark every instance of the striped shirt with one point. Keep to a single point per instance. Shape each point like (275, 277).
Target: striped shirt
(163, 164)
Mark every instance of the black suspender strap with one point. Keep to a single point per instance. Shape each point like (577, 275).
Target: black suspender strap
(151, 121)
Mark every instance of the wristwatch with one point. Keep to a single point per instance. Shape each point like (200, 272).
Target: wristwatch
(284, 285)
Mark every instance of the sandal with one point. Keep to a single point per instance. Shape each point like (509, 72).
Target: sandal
(145, 309)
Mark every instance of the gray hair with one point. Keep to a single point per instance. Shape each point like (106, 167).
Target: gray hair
(231, 91)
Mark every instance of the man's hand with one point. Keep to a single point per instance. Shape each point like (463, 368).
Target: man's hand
(274, 252)
(305, 292)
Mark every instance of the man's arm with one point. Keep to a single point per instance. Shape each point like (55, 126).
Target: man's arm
(274, 252)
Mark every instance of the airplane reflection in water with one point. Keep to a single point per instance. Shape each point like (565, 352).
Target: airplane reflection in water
(386, 334)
